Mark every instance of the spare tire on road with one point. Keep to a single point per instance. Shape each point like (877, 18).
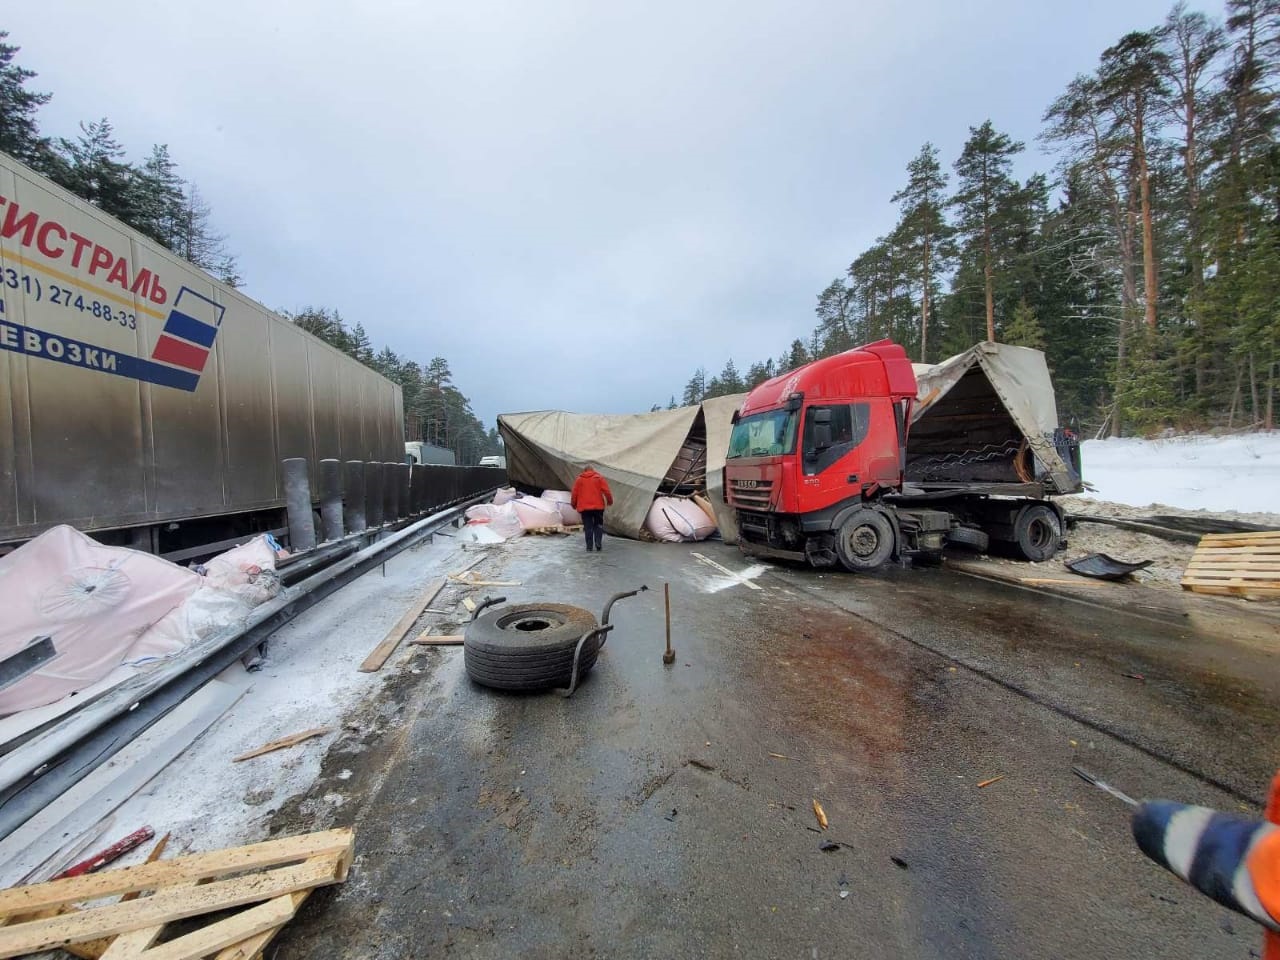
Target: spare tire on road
(529, 646)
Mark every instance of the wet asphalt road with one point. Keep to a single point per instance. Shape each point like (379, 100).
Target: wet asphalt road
(646, 817)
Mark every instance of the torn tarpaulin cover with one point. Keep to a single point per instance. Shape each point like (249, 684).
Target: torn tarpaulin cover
(94, 601)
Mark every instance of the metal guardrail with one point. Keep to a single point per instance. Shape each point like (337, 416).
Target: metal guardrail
(37, 772)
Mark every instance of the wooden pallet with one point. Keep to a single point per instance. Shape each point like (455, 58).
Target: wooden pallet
(1236, 564)
(269, 880)
(555, 531)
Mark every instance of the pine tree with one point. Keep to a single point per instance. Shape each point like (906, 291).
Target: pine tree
(195, 240)
(19, 134)
(835, 329)
(696, 389)
(161, 197)
(923, 231)
(1023, 329)
(758, 373)
(93, 167)
(730, 379)
(1131, 86)
(361, 348)
(796, 356)
(986, 198)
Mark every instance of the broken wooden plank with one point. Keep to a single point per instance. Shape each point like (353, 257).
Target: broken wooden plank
(166, 905)
(441, 640)
(128, 945)
(292, 740)
(106, 788)
(467, 582)
(469, 604)
(478, 560)
(224, 933)
(378, 656)
(152, 857)
(195, 866)
(252, 947)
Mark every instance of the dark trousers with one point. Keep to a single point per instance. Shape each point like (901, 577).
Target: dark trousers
(593, 527)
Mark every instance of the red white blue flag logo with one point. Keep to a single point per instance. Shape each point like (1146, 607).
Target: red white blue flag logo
(189, 331)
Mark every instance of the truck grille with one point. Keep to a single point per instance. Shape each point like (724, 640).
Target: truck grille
(752, 494)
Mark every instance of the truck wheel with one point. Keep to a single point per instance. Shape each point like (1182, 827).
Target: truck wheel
(1037, 532)
(864, 541)
(529, 646)
(969, 537)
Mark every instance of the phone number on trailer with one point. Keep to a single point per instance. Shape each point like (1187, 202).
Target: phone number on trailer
(65, 297)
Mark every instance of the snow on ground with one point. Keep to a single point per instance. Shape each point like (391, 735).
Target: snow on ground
(309, 679)
(1233, 473)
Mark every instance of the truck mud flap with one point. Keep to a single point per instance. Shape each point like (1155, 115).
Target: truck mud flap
(1103, 567)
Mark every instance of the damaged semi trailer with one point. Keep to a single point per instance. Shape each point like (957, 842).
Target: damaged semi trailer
(853, 460)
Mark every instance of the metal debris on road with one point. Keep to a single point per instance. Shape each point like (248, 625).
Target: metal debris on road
(113, 852)
(669, 655)
(1105, 567)
(1088, 777)
(899, 863)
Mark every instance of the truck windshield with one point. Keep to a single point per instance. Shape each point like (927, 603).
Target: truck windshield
(763, 435)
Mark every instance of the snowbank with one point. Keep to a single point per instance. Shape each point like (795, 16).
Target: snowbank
(1240, 472)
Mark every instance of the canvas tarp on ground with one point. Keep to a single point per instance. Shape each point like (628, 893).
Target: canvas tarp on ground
(997, 383)
(549, 448)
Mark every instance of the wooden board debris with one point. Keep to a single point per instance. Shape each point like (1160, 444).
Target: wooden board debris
(1236, 564)
(472, 582)
(292, 740)
(378, 656)
(440, 640)
(186, 888)
(1067, 583)
(469, 604)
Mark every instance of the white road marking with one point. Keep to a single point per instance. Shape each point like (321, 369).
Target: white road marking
(725, 570)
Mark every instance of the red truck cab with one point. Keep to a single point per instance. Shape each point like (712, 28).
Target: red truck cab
(816, 446)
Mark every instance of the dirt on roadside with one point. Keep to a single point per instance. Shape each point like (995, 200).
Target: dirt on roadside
(1170, 558)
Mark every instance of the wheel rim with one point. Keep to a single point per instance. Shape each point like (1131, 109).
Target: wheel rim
(1040, 533)
(863, 541)
(531, 621)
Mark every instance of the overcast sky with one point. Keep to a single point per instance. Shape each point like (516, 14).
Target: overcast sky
(575, 203)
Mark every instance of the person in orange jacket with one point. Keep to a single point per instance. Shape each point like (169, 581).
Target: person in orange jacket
(591, 494)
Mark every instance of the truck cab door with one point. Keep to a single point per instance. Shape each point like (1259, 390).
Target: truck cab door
(844, 450)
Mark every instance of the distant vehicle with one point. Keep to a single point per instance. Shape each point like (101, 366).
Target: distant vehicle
(416, 451)
(500, 462)
(819, 467)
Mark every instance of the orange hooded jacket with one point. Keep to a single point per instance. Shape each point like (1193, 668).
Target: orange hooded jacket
(591, 492)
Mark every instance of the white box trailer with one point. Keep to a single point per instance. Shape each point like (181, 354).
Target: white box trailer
(137, 394)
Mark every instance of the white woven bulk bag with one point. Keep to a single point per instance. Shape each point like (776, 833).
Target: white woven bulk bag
(674, 520)
(536, 513)
(563, 500)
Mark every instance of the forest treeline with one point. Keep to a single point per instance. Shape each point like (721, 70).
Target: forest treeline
(1146, 263)
(154, 199)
